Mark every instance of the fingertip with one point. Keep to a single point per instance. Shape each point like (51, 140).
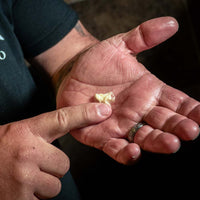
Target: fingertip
(194, 133)
(187, 130)
(103, 110)
(197, 132)
(136, 154)
(169, 143)
(162, 23)
(171, 22)
(130, 154)
(158, 30)
(134, 151)
(172, 25)
(150, 33)
(175, 146)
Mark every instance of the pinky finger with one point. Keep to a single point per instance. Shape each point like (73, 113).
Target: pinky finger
(156, 141)
(122, 151)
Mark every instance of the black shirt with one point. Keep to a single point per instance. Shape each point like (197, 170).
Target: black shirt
(27, 28)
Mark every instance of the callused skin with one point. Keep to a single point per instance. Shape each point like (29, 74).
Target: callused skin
(111, 65)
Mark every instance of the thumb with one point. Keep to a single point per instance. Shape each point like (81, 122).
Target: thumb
(150, 34)
(55, 124)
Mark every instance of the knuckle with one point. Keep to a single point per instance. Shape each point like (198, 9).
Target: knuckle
(23, 175)
(23, 146)
(23, 154)
(86, 113)
(62, 118)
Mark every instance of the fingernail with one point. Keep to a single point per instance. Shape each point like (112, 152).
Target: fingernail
(103, 110)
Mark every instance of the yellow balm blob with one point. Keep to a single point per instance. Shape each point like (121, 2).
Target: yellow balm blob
(106, 98)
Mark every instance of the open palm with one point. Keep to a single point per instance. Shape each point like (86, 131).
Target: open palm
(111, 65)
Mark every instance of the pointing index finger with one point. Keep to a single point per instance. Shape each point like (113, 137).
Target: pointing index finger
(55, 124)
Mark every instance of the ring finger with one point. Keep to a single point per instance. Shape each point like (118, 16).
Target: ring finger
(157, 141)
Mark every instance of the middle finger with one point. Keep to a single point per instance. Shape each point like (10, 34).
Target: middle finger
(169, 121)
(157, 141)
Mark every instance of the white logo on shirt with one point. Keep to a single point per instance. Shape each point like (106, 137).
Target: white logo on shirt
(1, 37)
(2, 53)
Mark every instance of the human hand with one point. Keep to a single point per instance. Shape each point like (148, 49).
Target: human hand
(30, 165)
(111, 65)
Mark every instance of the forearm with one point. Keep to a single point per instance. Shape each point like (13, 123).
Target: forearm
(77, 41)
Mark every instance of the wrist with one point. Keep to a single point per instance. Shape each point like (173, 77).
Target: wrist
(58, 77)
(80, 40)
(62, 72)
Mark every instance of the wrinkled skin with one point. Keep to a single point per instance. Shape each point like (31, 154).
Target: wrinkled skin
(111, 65)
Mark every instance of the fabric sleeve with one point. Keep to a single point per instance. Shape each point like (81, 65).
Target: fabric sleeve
(40, 24)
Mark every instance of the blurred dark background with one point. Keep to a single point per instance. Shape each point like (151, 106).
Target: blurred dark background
(176, 62)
